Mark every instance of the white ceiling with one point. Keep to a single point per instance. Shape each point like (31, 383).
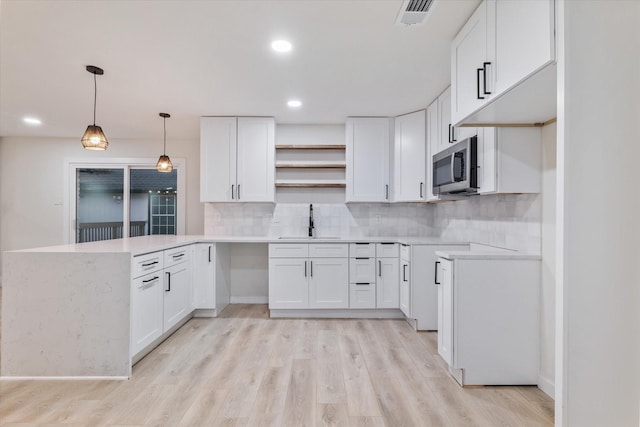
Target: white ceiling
(195, 58)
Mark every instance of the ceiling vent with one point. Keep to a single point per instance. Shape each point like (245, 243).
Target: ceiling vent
(414, 12)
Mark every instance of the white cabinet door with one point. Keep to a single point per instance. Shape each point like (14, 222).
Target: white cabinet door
(217, 159)
(204, 287)
(410, 157)
(256, 154)
(146, 311)
(367, 159)
(362, 295)
(468, 56)
(362, 270)
(176, 295)
(405, 287)
(388, 283)
(524, 39)
(445, 310)
(328, 283)
(288, 283)
(445, 137)
(433, 145)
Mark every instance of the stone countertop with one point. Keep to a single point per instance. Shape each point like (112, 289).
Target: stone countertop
(145, 244)
(487, 255)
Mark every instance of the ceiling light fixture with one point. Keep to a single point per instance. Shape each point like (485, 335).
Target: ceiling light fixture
(294, 103)
(164, 162)
(32, 121)
(94, 138)
(281, 46)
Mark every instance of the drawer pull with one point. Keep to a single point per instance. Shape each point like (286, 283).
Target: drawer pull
(148, 264)
(435, 279)
(153, 279)
(379, 268)
(362, 283)
(178, 256)
(359, 257)
(168, 273)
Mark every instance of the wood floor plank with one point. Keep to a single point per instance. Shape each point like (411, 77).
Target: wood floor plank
(300, 406)
(361, 397)
(330, 376)
(332, 415)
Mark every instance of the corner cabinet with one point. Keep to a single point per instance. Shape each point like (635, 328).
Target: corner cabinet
(410, 157)
(367, 159)
(237, 159)
(503, 45)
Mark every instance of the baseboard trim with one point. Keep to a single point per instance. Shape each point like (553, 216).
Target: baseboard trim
(337, 313)
(249, 300)
(547, 386)
(66, 378)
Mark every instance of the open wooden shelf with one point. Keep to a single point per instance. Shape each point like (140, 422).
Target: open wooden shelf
(303, 183)
(311, 147)
(311, 164)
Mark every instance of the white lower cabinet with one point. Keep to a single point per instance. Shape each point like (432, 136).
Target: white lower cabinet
(387, 279)
(405, 285)
(210, 279)
(299, 281)
(328, 283)
(489, 319)
(176, 295)
(146, 325)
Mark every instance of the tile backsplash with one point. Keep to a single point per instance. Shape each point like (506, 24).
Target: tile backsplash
(510, 221)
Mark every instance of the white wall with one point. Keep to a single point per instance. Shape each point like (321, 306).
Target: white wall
(32, 173)
(548, 274)
(598, 365)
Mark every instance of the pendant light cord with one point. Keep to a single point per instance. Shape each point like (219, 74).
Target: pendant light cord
(95, 96)
(164, 138)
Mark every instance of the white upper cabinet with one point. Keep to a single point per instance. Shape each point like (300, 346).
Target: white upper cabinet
(502, 45)
(237, 159)
(468, 58)
(367, 159)
(410, 157)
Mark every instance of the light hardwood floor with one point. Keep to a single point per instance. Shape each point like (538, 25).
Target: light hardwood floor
(244, 369)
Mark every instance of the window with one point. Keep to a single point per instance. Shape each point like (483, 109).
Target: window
(123, 198)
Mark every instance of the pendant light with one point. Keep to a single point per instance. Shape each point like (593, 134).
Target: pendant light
(164, 162)
(93, 138)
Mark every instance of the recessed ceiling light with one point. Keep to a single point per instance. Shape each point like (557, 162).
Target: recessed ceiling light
(32, 121)
(281, 46)
(294, 103)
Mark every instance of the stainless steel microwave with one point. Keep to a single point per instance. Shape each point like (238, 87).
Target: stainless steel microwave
(455, 170)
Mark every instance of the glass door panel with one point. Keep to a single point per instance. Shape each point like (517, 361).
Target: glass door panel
(99, 204)
(153, 197)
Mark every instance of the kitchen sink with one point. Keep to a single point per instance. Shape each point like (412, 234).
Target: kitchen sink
(308, 238)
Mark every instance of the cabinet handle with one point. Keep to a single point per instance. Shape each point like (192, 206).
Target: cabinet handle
(362, 283)
(238, 191)
(178, 256)
(450, 141)
(209, 253)
(168, 273)
(153, 279)
(484, 78)
(232, 196)
(149, 264)
(311, 268)
(305, 269)
(435, 279)
(478, 71)
(421, 185)
(359, 257)
(386, 191)
(379, 268)
(404, 272)
(452, 134)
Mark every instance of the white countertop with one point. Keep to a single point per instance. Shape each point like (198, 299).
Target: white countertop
(487, 255)
(145, 244)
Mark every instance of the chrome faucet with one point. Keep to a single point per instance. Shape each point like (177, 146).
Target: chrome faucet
(311, 227)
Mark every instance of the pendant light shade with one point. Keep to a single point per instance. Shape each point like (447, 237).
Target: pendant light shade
(94, 138)
(164, 162)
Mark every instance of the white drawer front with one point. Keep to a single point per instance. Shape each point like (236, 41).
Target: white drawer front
(328, 250)
(405, 252)
(362, 295)
(387, 250)
(362, 250)
(362, 270)
(148, 263)
(176, 256)
(289, 250)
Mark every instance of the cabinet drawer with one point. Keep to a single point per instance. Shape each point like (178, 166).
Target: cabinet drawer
(328, 250)
(387, 250)
(148, 263)
(362, 295)
(288, 250)
(362, 270)
(405, 252)
(362, 250)
(176, 256)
